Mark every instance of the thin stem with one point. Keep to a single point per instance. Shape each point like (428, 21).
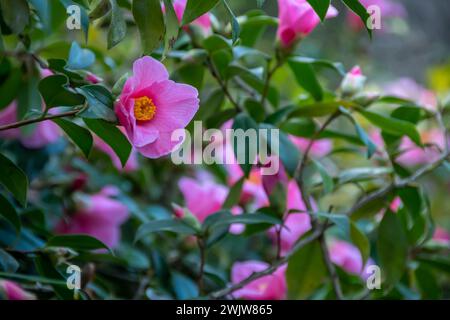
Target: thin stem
(330, 267)
(30, 121)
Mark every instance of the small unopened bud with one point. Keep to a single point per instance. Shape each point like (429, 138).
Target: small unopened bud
(353, 82)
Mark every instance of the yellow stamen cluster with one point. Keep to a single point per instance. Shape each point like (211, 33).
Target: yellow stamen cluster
(144, 109)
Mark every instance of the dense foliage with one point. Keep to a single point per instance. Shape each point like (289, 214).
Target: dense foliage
(86, 180)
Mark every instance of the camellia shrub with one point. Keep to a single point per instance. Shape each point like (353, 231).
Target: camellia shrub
(110, 108)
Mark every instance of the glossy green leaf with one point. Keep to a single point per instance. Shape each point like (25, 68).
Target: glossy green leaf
(246, 154)
(56, 94)
(320, 7)
(195, 9)
(8, 212)
(79, 135)
(360, 240)
(360, 10)
(169, 225)
(118, 27)
(172, 27)
(100, 103)
(392, 247)
(16, 181)
(306, 77)
(150, 22)
(234, 194)
(110, 134)
(16, 14)
(76, 242)
(7, 262)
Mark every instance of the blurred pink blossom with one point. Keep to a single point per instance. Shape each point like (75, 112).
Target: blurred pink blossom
(151, 107)
(13, 291)
(295, 224)
(319, 148)
(132, 163)
(348, 257)
(204, 21)
(99, 216)
(44, 132)
(407, 88)
(93, 78)
(297, 19)
(388, 9)
(442, 236)
(270, 287)
(414, 155)
(202, 197)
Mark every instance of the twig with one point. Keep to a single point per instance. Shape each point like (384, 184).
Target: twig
(330, 267)
(30, 121)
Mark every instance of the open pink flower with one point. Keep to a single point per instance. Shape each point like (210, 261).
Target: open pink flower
(151, 107)
(270, 287)
(388, 9)
(203, 21)
(297, 19)
(13, 291)
(407, 88)
(442, 236)
(99, 216)
(319, 148)
(295, 224)
(202, 197)
(132, 163)
(44, 133)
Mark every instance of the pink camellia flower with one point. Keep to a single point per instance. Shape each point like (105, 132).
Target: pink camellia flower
(297, 19)
(413, 155)
(388, 9)
(353, 81)
(44, 133)
(270, 287)
(132, 163)
(12, 291)
(204, 21)
(407, 88)
(295, 224)
(442, 236)
(151, 107)
(99, 216)
(319, 148)
(202, 197)
(348, 257)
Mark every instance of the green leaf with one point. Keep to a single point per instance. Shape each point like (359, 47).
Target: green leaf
(15, 181)
(362, 135)
(8, 212)
(16, 14)
(360, 240)
(79, 135)
(393, 126)
(334, 66)
(112, 136)
(9, 88)
(306, 271)
(150, 22)
(301, 127)
(118, 86)
(429, 287)
(170, 225)
(7, 262)
(225, 218)
(234, 194)
(102, 8)
(235, 28)
(77, 242)
(320, 7)
(56, 94)
(100, 103)
(319, 109)
(392, 246)
(306, 77)
(45, 267)
(79, 58)
(118, 27)
(327, 180)
(360, 10)
(195, 9)
(248, 156)
(172, 27)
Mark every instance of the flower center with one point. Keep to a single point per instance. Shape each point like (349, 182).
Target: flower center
(144, 109)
